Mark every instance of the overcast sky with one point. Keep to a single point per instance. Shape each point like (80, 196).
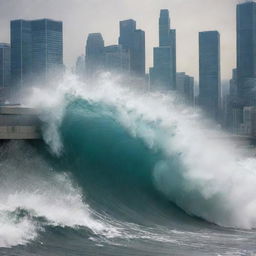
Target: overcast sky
(81, 17)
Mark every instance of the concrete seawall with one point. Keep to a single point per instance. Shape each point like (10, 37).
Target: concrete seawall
(19, 123)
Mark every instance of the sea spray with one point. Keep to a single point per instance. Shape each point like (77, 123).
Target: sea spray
(203, 175)
(33, 196)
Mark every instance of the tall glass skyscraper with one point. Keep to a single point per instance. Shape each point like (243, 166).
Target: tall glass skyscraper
(209, 72)
(127, 28)
(5, 64)
(117, 59)
(164, 28)
(36, 50)
(21, 52)
(47, 47)
(163, 74)
(94, 54)
(246, 52)
(133, 40)
(138, 63)
(185, 88)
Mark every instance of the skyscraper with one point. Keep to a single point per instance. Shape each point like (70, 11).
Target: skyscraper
(160, 74)
(185, 87)
(163, 73)
(117, 59)
(246, 52)
(127, 28)
(133, 40)
(80, 66)
(47, 48)
(138, 64)
(21, 52)
(94, 57)
(36, 50)
(209, 72)
(5, 64)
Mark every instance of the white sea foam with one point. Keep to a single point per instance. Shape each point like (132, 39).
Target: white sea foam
(29, 189)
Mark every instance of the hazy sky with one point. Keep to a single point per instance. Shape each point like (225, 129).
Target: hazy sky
(81, 17)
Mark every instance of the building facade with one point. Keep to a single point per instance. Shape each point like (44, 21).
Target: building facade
(185, 88)
(209, 73)
(47, 48)
(21, 52)
(163, 73)
(117, 59)
(246, 52)
(36, 50)
(80, 66)
(133, 40)
(5, 65)
(94, 55)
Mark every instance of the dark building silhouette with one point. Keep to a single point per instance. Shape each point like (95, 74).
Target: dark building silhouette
(163, 73)
(209, 72)
(21, 52)
(133, 40)
(36, 50)
(95, 54)
(246, 52)
(185, 87)
(138, 63)
(117, 59)
(127, 28)
(5, 65)
(80, 66)
(160, 74)
(47, 48)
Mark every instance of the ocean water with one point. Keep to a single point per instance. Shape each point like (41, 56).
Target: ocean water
(122, 172)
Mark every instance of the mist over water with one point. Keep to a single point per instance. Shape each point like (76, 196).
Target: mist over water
(125, 164)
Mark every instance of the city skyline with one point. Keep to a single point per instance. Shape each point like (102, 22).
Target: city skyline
(107, 24)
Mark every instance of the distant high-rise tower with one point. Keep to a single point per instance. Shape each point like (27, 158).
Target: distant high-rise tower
(164, 28)
(117, 59)
(36, 50)
(138, 64)
(133, 40)
(80, 66)
(5, 64)
(47, 47)
(246, 52)
(127, 28)
(21, 52)
(185, 87)
(94, 57)
(209, 72)
(163, 74)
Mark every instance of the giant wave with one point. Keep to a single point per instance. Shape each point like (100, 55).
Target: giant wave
(119, 160)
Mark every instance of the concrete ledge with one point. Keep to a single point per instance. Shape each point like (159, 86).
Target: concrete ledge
(17, 110)
(19, 133)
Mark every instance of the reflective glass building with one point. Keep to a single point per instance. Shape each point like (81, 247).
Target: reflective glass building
(5, 64)
(133, 40)
(47, 47)
(117, 59)
(21, 52)
(209, 72)
(94, 54)
(163, 73)
(246, 52)
(36, 50)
